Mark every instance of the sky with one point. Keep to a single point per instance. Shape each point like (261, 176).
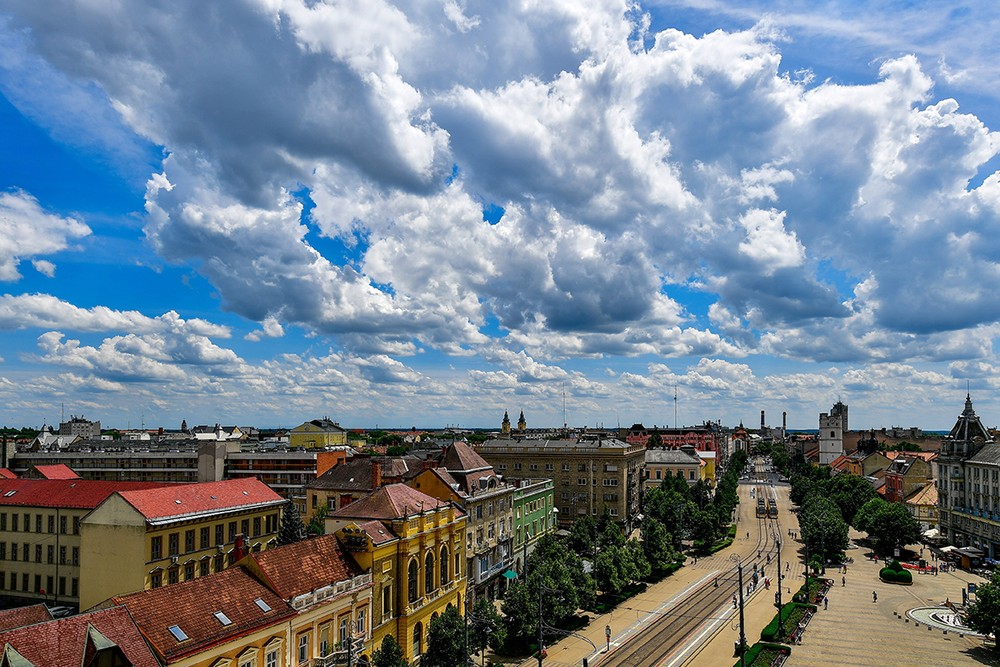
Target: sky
(427, 213)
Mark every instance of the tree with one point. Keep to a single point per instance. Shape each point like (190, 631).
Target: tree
(890, 525)
(703, 529)
(640, 566)
(657, 543)
(446, 641)
(983, 615)
(317, 525)
(823, 529)
(609, 570)
(389, 654)
(582, 535)
(292, 529)
(850, 492)
(486, 628)
(655, 440)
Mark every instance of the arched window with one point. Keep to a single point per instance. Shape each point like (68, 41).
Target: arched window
(418, 639)
(412, 580)
(429, 572)
(444, 566)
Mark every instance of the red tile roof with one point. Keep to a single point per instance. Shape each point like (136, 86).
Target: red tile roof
(61, 643)
(6, 473)
(377, 532)
(389, 502)
(305, 566)
(22, 616)
(180, 501)
(191, 606)
(64, 493)
(460, 457)
(56, 471)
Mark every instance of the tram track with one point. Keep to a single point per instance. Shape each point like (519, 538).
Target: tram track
(667, 634)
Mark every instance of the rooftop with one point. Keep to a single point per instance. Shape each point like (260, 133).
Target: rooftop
(394, 501)
(169, 502)
(65, 493)
(305, 566)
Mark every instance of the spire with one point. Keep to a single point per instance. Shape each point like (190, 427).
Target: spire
(505, 424)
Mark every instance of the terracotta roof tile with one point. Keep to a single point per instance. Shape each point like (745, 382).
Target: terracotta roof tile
(6, 473)
(22, 616)
(192, 499)
(68, 493)
(356, 474)
(460, 457)
(377, 532)
(305, 566)
(191, 606)
(61, 643)
(389, 502)
(56, 471)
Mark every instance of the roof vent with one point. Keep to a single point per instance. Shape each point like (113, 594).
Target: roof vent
(178, 502)
(246, 493)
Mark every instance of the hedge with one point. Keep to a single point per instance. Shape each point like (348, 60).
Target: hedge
(900, 576)
(762, 654)
(791, 614)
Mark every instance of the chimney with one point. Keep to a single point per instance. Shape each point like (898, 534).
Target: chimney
(784, 422)
(376, 474)
(761, 420)
(239, 548)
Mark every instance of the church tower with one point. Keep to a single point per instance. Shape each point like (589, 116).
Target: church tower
(505, 424)
(521, 424)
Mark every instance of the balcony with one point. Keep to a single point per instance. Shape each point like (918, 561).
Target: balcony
(333, 591)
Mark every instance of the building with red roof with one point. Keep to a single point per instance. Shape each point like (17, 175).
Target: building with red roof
(57, 471)
(19, 617)
(105, 637)
(228, 616)
(40, 548)
(331, 594)
(145, 539)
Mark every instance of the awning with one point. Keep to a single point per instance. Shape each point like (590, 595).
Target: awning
(948, 549)
(510, 574)
(971, 552)
(932, 533)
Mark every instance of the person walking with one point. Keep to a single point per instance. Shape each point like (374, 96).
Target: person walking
(843, 581)
(826, 603)
(874, 596)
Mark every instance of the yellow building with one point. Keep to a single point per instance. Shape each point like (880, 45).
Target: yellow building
(40, 552)
(229, 619)
(317, 433)
(136, 540)
(414, 547)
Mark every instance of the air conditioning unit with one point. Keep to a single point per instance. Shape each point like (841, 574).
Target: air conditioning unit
(221, 548)
(174, 559)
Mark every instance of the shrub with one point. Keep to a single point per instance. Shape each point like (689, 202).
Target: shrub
(762, 654)
(791, 614)
(900, 576)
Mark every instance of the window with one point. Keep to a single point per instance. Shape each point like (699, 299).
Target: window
(76, 555)
(204, 567)
(38, 523)
(343, 637)
(203, 538)
(245, 527)
(429, 572)
(188, 571)
(76, 525)
(38, 583)
(24, 581)
(3, 551)
(256, 526)
(76, 588)
(178, 634)
(303, 647)
(581, 467)
(62, 525)
(38, 554)
(220, 534)
(417, 639)
(62, 555)
(517, 466)
(52, 524)
(386, 603)
(581, 481)
(188, 541)
(222, 618)
(62, 585)
(3, 579)
(565, 467)
(50, 554)
(361, 622)
(174, 543)
(156, 547)
(411, 580)
(533, 466)
(173, 575)
(156, 580)
(13, 522)
(3, 521)
(271, 658)
(444, 568)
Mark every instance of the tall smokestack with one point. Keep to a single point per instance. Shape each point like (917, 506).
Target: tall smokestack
(761, 420)
(784, 421)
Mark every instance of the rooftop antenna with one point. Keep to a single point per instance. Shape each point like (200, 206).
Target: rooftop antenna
(675, 406)
(564, 407)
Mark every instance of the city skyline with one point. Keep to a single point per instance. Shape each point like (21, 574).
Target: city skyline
(429, 213)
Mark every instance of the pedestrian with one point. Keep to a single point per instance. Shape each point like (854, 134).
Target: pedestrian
(826, 603)
(734, 600)
(874, 596)
(787, 566)
(843, 581)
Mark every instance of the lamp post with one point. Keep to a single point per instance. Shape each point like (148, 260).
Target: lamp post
(778, 595)
(743, 638)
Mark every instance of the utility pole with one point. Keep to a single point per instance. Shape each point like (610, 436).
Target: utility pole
(778, 595)
(741, 649)
(539, 622)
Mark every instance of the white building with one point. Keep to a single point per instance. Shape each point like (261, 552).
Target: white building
(832, 427)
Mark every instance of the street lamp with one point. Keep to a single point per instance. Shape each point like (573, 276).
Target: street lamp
(743, 638)
(777, 595)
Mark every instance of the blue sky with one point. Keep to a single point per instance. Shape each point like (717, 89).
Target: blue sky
(428, 213)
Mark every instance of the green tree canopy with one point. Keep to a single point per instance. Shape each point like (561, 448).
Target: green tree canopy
(983, 614)
(889, 525)
(486, 627)
(850, 492)
(446, 641)
(292, 529)
(389, 654)
(657, 543)
(823, 529)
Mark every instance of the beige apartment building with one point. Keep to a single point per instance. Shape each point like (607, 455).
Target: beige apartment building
(589, 474)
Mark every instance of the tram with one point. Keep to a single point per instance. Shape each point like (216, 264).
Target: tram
(772, 508)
